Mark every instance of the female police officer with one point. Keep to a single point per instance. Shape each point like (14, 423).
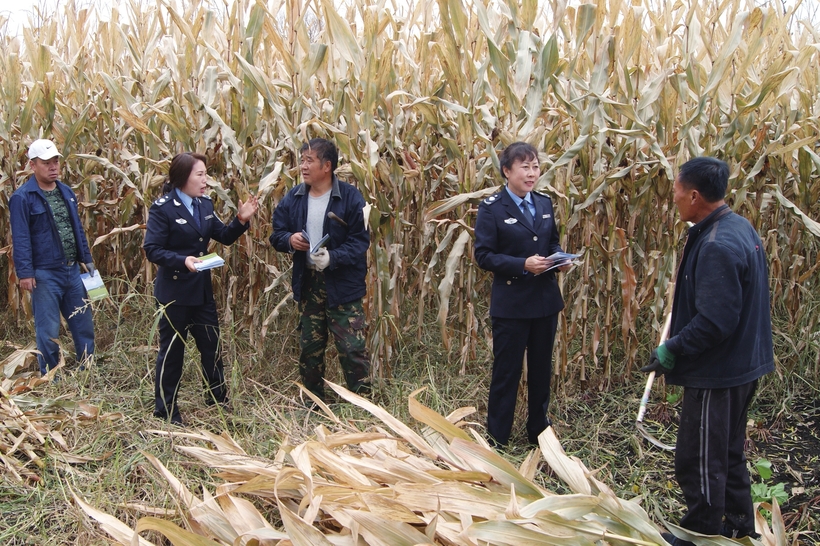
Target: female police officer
(180, 225)
(514, 232)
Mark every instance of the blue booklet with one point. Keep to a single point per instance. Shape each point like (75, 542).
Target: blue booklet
(560, 259)
(313, 248)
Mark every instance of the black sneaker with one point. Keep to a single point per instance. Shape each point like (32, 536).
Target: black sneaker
(364, 389)
(730, 532)
(675, 541)
(177, 421)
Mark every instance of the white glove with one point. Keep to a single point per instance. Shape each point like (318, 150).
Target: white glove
(321, 259)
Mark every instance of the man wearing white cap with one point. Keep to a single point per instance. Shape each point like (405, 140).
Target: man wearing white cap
(48, 244)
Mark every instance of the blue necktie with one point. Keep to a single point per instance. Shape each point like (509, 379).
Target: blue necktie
(526, 210)
(195, 205)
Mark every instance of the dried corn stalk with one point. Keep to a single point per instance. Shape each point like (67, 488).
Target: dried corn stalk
(393, 486)
(31, 426)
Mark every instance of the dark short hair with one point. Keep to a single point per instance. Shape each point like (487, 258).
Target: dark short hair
(325, 151)
(517, 151)
(708, 175)
(180, 169)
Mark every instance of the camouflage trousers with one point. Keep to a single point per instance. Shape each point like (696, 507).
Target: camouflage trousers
(346, 323)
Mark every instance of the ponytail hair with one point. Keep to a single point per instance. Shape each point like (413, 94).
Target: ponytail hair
(180, 169)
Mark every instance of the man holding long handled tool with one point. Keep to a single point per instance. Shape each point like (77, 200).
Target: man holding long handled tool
(720, 344)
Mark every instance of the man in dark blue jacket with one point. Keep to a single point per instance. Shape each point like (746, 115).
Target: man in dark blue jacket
(720, 344)
(48, 245)
(329, 281)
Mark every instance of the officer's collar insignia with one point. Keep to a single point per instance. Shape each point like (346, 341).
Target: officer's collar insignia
(177, 203)
(511, 220)
(182, 221)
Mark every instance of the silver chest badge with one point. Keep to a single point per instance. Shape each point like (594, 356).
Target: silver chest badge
(511, 220)
(182, 221)
(545, 216)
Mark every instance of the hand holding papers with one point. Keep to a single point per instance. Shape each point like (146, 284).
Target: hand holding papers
(94, 286)
(209, 262)
(560, 259)
(319, 244)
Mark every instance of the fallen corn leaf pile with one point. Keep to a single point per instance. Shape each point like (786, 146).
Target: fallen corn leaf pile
(396, 487)
(31, 426)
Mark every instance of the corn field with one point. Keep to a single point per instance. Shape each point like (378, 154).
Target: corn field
(420, 98)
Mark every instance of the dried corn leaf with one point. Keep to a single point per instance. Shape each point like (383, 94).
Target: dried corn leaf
(380, 532)
(111, 525)
(400, 428)
(176, 534)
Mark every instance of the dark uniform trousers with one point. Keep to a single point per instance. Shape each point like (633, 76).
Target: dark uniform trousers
(176, 321)
(710, 462)
(511, 337)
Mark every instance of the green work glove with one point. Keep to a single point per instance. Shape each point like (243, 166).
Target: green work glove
(661, 361)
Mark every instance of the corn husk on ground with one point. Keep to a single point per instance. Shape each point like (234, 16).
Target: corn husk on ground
(31, 425)
(392, 486)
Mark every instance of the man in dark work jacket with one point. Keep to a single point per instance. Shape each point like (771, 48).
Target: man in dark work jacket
(720, 344)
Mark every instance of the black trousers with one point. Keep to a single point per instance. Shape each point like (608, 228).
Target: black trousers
(203, 323)
(511, 337)
(710, 463)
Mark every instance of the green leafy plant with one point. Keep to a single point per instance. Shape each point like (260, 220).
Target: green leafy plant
(764, 492)
(672, 397)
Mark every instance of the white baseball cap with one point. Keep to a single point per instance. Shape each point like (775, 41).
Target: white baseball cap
(43, 149)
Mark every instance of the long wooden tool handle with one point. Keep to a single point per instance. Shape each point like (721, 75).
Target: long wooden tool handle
(651, 379)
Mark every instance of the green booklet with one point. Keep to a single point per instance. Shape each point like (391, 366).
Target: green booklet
(94, 286)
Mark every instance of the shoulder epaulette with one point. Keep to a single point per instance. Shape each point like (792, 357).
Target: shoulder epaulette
(493, 198)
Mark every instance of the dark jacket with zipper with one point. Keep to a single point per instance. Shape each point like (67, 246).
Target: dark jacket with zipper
(721, 331)
(35, 240)
(347, 244)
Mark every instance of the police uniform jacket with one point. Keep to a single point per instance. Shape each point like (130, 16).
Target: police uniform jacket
(347, 244)
(503, 242)
(172, 236)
